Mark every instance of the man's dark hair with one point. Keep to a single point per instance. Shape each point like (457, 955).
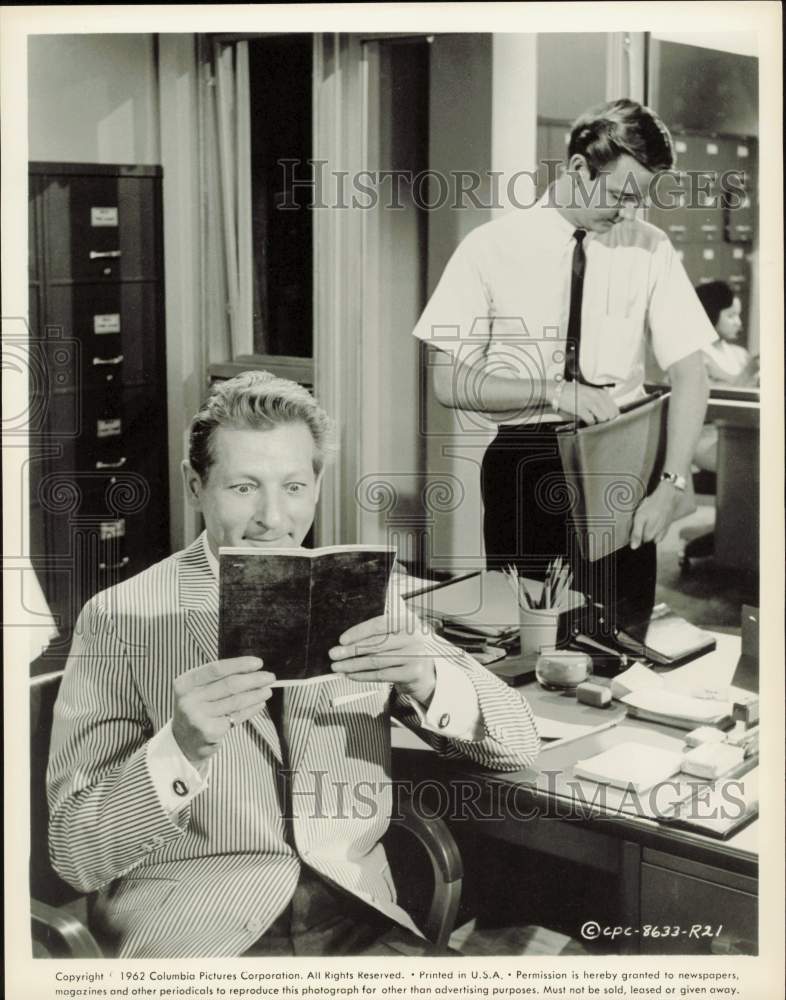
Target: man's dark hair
(603, 134)
(715, 296)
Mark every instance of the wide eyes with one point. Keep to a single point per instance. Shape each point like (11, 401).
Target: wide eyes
(246, 489)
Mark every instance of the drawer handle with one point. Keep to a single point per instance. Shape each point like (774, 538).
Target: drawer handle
(103, 254)
(108, 361)
(118, 565)
(112, 465)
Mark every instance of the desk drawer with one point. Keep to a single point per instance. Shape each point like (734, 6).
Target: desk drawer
(713, 918)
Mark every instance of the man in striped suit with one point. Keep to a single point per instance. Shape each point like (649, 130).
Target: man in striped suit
(165, 790)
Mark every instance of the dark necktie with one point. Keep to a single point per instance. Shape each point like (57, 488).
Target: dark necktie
(579, 264)
(573, 345)
(275, 706)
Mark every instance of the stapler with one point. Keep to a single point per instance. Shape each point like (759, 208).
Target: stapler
(593, 631)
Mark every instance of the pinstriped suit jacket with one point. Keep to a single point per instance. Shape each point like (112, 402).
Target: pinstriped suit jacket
(211, 880)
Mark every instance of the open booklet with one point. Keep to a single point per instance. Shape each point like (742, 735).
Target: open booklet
(289, 606)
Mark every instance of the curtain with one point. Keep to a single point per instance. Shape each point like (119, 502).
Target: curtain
(225, 181)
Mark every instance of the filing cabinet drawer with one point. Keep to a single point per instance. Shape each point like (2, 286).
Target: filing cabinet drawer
(703, 262)
(740, 221)
(698, 154)
(739, 155)
(104, 227)
(117, 325)
(735, 267)
(86, 453)
(723, 917)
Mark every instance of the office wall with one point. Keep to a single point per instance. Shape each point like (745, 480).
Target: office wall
(482, 118)
(571, 73)
(93, 98)
(392, 448)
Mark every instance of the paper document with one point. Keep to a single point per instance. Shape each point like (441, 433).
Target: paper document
(675, 709)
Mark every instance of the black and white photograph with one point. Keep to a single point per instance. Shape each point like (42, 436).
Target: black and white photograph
(393, 518)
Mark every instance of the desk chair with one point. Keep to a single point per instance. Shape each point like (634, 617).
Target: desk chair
(59, 913)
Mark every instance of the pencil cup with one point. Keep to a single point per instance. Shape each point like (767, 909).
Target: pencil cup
(538, 629)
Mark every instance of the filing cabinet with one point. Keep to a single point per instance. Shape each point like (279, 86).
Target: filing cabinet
(99, 464)
(714, 229)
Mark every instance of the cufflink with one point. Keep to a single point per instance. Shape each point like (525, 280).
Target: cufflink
(179, 787)
(444, 720)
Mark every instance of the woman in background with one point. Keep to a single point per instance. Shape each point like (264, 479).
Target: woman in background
(727, 362)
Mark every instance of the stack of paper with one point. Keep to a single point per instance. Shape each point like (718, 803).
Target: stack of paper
(630, 765)
(634, 678)
(675, 709)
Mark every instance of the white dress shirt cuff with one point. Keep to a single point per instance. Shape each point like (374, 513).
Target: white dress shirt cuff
(454, 710)
(174, 778)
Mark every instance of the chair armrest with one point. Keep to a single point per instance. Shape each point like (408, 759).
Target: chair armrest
(435, 836)
(61, 933)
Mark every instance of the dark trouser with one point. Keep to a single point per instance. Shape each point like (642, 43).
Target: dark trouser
(323, 920)
(527, 523)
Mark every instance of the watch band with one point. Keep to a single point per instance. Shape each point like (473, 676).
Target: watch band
(678, 482)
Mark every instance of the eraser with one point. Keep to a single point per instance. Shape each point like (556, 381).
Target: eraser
(704, 734)
(593, 694)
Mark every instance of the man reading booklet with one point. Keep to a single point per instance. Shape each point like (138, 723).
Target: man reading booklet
(166, 761)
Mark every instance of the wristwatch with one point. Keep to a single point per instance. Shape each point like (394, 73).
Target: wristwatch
(678, 482)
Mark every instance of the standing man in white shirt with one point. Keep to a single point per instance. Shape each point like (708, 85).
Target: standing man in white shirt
(208, 818)
(543, 316)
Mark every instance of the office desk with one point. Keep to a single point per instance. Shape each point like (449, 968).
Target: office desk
(662, 876)
(736, 415)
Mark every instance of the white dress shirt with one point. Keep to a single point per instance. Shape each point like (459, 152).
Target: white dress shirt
(453, 712)
(503, 302)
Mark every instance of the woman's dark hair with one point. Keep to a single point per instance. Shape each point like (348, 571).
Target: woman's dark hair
(715, 296)
(603, 134)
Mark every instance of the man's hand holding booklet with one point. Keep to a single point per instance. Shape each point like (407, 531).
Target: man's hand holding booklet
(290, 606)
(311, 614)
